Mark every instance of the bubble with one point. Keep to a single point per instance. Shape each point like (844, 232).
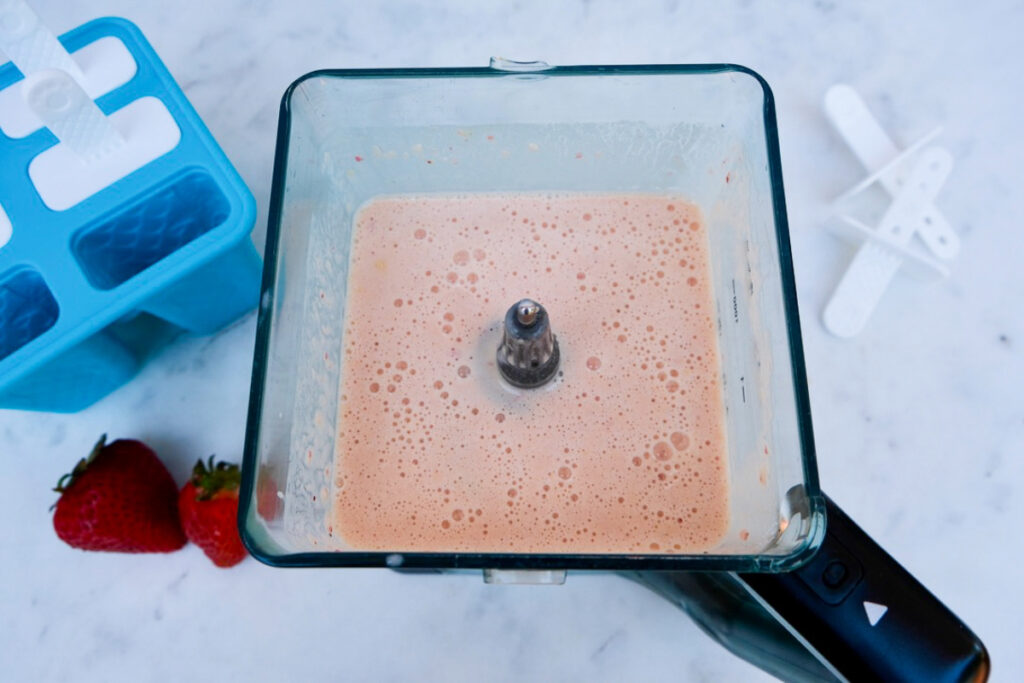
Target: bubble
(500, 417)
(461, 257)
(680, 441)
(463, 371)
(512, 493)
(662, 451)
(420, 234)
(593, 363)
(564, 472)
(457, 515)
(452, 277)
(691, 281)
(398, 303)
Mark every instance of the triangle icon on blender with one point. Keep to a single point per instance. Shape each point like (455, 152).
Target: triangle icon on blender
(874, 611)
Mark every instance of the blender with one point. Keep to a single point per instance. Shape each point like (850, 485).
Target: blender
(791, 583)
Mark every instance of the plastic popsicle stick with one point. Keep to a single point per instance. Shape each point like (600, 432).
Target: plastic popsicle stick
(886, 174)
(5, 228)
(932, 227)
(921, 265)
(874, 266)
(880, 156)
(938, 234)
(29, 44)
(107, 65)
(862, 132)
(70, 114)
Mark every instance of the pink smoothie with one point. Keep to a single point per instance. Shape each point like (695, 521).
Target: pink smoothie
(623, 452)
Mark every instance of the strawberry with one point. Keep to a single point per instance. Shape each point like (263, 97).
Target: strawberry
(121, 498)
(208, 507)
(268, 504)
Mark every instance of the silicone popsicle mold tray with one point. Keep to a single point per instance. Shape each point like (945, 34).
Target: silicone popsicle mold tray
(87, 292)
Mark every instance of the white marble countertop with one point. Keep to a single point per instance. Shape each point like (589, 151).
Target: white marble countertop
(919, 421)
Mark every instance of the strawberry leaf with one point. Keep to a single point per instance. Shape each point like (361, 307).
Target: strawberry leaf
(68, 479)
(210, 479)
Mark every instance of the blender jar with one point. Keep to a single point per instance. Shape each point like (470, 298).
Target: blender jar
(703, 132)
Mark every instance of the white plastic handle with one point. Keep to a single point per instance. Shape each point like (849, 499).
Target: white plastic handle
(71, 114)
(29, 44)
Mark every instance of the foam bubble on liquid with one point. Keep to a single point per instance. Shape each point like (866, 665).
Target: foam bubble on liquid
(623, 452)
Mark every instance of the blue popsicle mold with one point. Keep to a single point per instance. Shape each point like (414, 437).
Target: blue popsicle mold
(87, 292)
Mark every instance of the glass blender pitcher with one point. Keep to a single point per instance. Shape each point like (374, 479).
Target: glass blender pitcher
(793, 585)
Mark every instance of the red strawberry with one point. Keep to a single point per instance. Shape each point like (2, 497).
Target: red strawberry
(268, 504)
(208, 506)
(121, 498)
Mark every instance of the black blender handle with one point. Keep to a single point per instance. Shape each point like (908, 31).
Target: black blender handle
(865, 616)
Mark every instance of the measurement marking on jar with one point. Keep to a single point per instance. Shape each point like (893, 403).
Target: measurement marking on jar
(735, 303)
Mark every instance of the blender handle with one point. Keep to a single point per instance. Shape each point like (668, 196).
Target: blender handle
(865, 616)
(851, 612)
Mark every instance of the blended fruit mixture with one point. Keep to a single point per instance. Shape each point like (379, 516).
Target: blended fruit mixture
(622, 452)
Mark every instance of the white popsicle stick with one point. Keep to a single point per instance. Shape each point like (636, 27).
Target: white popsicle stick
(107, 65)
(884, 161)
(874, 265)
(29, 44)
(5, 228)
(63, 179)
(70, 114)
(886, 173)
(913, 260)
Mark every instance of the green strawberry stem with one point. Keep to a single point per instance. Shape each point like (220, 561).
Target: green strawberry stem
(68, 479)
(210, 479)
